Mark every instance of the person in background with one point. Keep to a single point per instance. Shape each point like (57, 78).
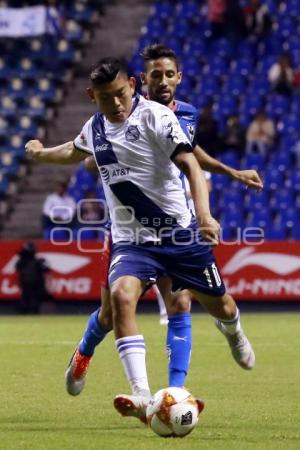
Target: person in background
(207, 133)
(58, 210)
(216, 17)
(257, 18)
(281, 75)
(260, 134)
(31, 270)
(234, 134)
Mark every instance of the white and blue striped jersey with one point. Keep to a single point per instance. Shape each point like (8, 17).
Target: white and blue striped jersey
(142, 185)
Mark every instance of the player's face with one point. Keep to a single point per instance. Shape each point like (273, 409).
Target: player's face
(114, 99)
(161, 78)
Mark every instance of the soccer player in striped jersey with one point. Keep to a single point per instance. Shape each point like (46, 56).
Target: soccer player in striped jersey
(130, 184)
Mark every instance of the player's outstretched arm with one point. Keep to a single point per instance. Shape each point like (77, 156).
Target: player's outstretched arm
(187, 163)
(61, 154)
(248, 177)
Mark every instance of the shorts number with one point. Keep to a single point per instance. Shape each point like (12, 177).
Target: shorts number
(215, 274)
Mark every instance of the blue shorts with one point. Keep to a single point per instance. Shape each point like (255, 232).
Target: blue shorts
(190, 265)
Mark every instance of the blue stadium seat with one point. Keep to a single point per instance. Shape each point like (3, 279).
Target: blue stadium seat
(276, 232)
(218, 66)
(236, 85)
(273, 179)
(287, 26)
(254, 161)
(293, 8)
(9, 164)
(256, 200)
(26, 127)
(4, 183)
(35, 109)
(4, 127)
(8, 108)
(282, 199)
(289, 125)
(283, 160)
(220, 182)
(277, 106)
(295, 180)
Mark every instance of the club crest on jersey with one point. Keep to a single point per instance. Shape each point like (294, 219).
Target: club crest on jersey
(191, 130)
(132, 133)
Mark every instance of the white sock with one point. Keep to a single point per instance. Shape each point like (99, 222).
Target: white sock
(234, 325)
(132, 352)
(161, 303)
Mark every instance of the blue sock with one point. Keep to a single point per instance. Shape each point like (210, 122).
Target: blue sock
(93, 335)
(179, 344)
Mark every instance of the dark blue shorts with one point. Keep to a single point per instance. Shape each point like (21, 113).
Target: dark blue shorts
(190, 265)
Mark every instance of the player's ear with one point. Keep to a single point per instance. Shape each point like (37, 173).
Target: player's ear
(179, 77)
(132, 84)
(91, 94)
(143, 78)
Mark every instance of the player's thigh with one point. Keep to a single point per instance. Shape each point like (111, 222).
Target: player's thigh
(221, 307)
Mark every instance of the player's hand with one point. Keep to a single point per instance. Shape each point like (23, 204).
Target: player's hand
(34, 148)
(210, 229)
(90, 164)
(250, 178)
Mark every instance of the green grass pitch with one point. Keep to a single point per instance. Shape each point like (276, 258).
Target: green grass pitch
(257, 410)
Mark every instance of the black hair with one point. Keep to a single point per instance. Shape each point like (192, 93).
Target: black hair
(106, 70)
(156, 51)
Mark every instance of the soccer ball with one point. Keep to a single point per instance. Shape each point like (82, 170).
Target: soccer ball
(173, 412)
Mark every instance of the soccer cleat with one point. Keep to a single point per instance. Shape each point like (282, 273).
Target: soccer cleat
(132, 406)
(76, 372)
(240, 347)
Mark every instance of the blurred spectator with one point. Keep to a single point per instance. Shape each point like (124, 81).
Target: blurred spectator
(216, 17)
(257, 18)
(260, 134)
(58, 210)
(92, 217)
(234, 134)
(206, 133)
(235, 21)
(32, 272)
(92, 209)
(55, 23)
(281, 75)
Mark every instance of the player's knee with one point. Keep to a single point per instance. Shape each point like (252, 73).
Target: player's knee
(122, 302)
(180, 303)
(229, 306)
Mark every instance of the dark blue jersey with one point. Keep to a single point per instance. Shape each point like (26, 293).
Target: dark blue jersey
(186, 115)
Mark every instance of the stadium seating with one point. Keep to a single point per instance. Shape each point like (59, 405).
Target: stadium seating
(33, 71)
(234, 76)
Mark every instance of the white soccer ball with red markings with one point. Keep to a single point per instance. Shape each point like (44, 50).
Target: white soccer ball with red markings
(173, 412)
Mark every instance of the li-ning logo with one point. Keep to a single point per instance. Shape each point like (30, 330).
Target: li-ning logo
(187, 418)
(279, 263)
(132, 133)
(64, 263)
(105, 174)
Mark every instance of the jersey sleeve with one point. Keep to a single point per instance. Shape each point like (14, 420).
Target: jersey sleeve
(82, 140)
(165, 130)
